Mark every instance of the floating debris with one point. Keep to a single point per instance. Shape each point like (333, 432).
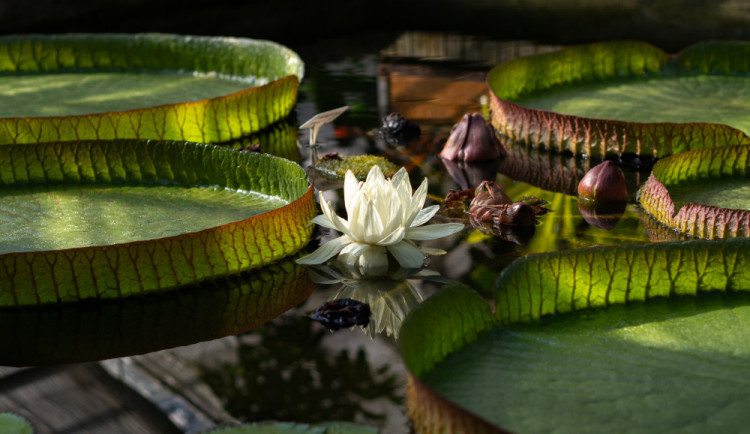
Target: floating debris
(255, 147)
(397, 130)
(342, 313)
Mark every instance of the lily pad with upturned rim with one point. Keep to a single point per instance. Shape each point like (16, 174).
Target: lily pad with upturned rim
(271, 200)
(703, 193)
(614, 321)
(625, 97)
(150, 86)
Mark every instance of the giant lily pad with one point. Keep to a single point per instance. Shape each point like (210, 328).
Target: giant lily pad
(108, 219)
(143, 86)
(703, 193)
(625, 97)
(643, 338)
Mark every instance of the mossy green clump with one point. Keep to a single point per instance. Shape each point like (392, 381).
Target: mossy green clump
(360, 165)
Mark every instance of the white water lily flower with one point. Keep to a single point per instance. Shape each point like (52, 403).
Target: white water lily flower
(384, 217)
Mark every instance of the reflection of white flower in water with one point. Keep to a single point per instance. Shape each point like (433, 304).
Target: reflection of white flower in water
(390, 298)
(383, 217)
(390, 301)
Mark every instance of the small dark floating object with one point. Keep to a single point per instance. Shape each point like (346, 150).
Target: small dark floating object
(331, 156)
(255, 147)
(342, 313)
(397, 130)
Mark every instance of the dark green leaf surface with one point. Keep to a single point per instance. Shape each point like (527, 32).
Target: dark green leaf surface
(429, 334)
(661, 366)
(651, 338)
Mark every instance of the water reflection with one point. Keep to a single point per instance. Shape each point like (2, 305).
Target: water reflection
(389, 297)
(283, 372)
(80, 332)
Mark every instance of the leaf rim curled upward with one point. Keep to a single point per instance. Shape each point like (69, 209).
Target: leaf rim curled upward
(141, 267)
(599, 62)
(213, 120)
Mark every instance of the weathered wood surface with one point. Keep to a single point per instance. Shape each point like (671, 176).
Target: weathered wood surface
(80, 398)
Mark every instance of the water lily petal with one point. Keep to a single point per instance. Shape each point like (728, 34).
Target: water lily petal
(373, 261)
(322, 220)
(417, 202)
(425, 215)
(407, 255)
(375, 176)
(432, 232)
(368, 260)
(402, 176)
(339, 224)
(394, 237)
(351, 187)
(372, 225)
(325, 252)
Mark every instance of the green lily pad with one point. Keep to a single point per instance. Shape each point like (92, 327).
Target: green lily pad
(649, 338)
(108, 219)
(703, 193)
(13, 424)
(142, 86)
(625, 97)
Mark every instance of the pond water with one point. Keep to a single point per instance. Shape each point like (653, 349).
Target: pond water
(290, 368)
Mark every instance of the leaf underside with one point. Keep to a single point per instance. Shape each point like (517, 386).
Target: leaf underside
(156, 264)
(160, 87)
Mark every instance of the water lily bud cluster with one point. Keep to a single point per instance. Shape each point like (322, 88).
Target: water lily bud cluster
(472, 139)
(489, 203)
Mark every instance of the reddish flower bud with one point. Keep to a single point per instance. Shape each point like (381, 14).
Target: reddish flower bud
(486, 196)
(604, 183)
(472, 139)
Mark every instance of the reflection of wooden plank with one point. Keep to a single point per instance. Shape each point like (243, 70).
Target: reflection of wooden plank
(432, 95)
(78, 398)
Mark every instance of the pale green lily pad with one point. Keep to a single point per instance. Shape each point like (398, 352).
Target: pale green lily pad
(65, 94)
(64, 217)
(704, 98)
(625, 97)
(729, 193)
(142, 86)
(108, 219)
